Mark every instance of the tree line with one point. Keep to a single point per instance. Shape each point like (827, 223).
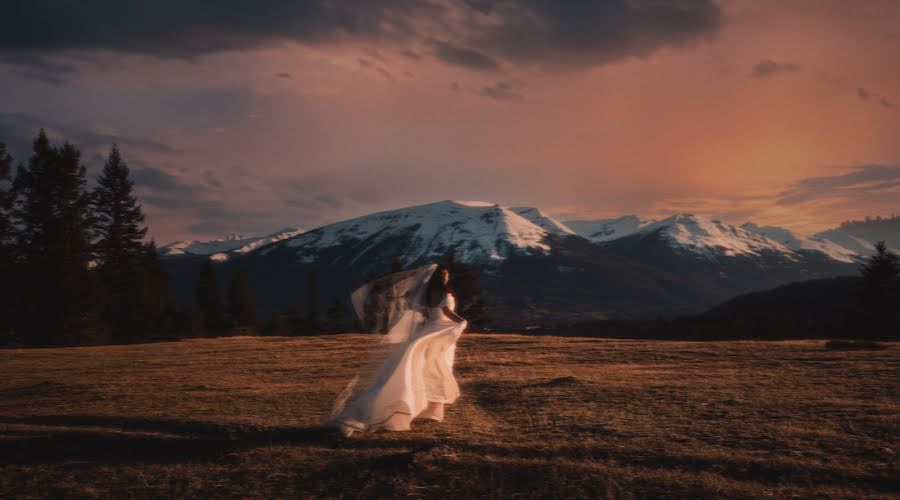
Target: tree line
(75, 268)
(74, 264)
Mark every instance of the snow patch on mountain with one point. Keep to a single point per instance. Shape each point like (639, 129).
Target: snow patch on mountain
(220, 249)
(794, 242)
(476, 231)
(542, 220)
(861, 236)
(601, 230)
(712, 237)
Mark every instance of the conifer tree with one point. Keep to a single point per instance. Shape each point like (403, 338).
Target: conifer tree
(6, 248)
(335, 317)
(293, 322)
(879, 294)
(5, 202)
(118, 221)
(241, 304)
(158, 310)
(208, 312)
(118, 218)
(52, 240)
(312, 318)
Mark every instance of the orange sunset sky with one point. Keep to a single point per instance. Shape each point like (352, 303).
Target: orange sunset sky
(241, 117)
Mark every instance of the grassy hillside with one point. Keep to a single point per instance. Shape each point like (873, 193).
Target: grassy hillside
(539, 416)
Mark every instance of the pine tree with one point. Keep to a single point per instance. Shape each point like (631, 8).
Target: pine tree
(118, 218)
(6, 249)
(120, 252)
(293, 322)
(879, 294)
(6, 198)
(313, 313)
(241, 304)
(335, 317)
(158, 316)
(52, 240)
(208, 312)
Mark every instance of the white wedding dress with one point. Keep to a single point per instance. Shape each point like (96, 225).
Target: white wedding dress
(415, 380)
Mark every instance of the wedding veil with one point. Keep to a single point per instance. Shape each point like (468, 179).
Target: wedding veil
(393, 305)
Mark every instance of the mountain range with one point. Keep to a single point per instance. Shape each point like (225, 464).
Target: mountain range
(533, 268)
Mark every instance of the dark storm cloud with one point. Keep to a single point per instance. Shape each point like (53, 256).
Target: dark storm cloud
(589, 33)
(767, 68)
(477, 34)
(861, 181)
(185, 28)
(39, 67)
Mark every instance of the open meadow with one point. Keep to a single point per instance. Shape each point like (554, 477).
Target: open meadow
(539, 416)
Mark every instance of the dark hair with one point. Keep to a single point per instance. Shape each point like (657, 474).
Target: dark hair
(435, 286)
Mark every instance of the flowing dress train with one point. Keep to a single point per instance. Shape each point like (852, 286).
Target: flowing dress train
(415, 382)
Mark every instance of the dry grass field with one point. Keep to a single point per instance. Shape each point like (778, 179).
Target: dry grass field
(538, 417)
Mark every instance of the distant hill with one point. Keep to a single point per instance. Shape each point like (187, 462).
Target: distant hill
(814, 298)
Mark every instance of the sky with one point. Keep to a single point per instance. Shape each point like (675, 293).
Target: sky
(248, 117)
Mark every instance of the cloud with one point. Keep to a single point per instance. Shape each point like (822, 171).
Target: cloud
(195, 27)
(411, 54)
(478, 34)
(767, 68)
(588, 33)
(201, 202)
(158, 180)
(385, 73)
(503, 90)
(862, 181)
(867, 95)
(39, 67)
(19, 130)
(283, 75)
(465, 57)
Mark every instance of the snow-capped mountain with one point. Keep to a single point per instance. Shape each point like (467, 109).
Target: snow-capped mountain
(532, 267)
(714, 238)
(542, 220)
(861, 236)
(222, 248)
(602, 230)
(711, 237)
(477, 232)
(794, 242)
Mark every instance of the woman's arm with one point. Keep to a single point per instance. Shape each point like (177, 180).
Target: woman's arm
(452, 315)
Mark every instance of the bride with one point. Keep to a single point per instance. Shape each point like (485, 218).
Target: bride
(410, 373)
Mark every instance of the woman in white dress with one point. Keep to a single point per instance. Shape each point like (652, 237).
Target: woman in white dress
(410, 374)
